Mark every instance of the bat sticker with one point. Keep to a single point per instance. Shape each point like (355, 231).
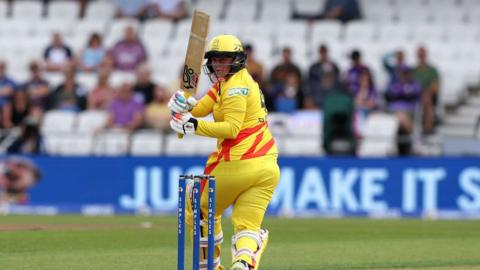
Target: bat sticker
(190, 79)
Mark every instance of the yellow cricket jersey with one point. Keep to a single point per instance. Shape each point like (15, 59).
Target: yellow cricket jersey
(240, 120)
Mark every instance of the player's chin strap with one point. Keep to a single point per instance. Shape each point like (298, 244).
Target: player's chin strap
(260, 237)
(204, 264)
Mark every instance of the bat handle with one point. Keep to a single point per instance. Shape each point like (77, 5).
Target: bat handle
(187, 95)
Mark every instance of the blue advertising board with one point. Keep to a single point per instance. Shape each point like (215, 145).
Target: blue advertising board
(448, 187)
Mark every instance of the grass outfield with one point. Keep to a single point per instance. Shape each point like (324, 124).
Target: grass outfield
(129, 242)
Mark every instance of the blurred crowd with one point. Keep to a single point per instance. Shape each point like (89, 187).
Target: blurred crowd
(141, 103)
(412, 91)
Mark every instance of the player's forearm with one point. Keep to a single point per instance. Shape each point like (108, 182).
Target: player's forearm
(221, 130)
(203, 108)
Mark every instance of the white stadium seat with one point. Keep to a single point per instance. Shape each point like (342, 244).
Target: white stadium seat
(63, 10)
(189, 145)
(276, 11)
(360, 31)
(301, 146)
(380, 133)
(91, 120)
(3, 10)
(100, 11)
(57, 121)
(246, 10)
(212, 7)
(29, 10)
(146, 143)
(68, 144)
(111, 143)
(326, 31)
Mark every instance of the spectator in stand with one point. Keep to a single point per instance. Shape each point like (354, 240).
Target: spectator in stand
(16, 110)
(38, 91)
(157, 113)
(254, 67)
(125, 112)
(7, 85)
(101, 96)
(402, 97)
(427, 76)
(342, 10)
(144, 88)
(288, 96)
(280, 71)
(69, 96)
(28, 142)
(323, 76)
(92, 56)
(359, 82)
(167, 9)
(130, 8)
(394, 63)
(128, 53)
(57, 56)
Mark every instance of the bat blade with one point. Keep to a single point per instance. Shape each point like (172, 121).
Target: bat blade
(195, 53)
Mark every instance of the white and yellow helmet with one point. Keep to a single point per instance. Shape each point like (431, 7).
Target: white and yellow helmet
(226, 46)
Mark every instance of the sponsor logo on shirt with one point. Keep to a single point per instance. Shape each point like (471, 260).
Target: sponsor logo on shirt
(237, 92)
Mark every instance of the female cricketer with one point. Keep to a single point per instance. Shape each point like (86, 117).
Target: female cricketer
(245, 161)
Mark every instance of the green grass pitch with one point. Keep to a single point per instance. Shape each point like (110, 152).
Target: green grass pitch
(142, 242)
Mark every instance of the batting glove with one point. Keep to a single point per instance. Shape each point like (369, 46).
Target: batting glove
(183, 123)
(178, 103)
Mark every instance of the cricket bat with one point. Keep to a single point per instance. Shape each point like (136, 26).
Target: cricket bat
(195, 53)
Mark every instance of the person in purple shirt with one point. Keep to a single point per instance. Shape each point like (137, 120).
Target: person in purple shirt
(360, 84)
(129, 52)
(125, 112)
(7, 85)
(38, 91)
(403, 96)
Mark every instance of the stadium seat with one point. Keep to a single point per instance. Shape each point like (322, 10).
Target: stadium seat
(119, 77)
(146, 143)
(307, 123)
(189, 145)
(27, 10)
(278, 123)
(111, 143)
(326, 31)
(359, 31)
(309, 6)
(395, 32)
(214, 8)
(90, 121)
(380, 14)
(68, 144)
(57, 121)
(117, 30)
(49, 26)
(414, 16)
(100, 11)
(301, 145)
(380, 134)
(276, 11)
(157, 29)
(15, 28)
(246, 9)
(88, 80)
(85, 28)
(54, 79)
(63, 10)
(3, 10)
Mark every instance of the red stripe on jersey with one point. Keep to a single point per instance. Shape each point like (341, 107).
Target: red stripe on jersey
(212, 95)
(264, 150)
(252, 148)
